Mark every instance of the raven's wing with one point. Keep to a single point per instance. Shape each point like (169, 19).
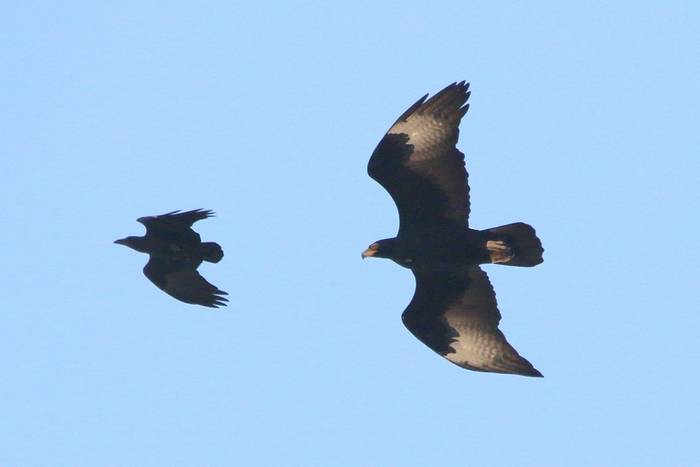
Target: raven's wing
(174, 221)
(183, 282)
(456, 315)
(418, 164)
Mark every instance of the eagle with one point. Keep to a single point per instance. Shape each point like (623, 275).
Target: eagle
(175, 252)
(454, 309)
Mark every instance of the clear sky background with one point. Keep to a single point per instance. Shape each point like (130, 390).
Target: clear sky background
(583, 122)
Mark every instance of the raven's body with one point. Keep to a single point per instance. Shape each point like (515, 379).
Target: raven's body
(175, 252)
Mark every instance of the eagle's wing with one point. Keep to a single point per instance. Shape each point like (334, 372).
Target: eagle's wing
(183, 282)
(456, 315)
(418, 164)
(174, 221)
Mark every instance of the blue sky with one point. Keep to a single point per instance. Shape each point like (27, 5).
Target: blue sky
(583, 122)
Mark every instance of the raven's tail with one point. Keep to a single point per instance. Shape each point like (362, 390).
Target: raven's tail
(211, 252)
(514, 245)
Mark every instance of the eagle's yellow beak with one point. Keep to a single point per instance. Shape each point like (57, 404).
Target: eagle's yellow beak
(371, 250)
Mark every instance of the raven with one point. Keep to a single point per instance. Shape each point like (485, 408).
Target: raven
(453, 310)
(176, 251)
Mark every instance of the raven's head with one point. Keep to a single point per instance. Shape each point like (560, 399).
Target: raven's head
(136, 243)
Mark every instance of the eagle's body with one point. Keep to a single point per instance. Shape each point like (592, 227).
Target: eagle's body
(440, 250)
(453, 310)
(175, 252)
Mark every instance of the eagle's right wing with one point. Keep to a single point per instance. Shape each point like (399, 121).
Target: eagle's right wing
(456, 315)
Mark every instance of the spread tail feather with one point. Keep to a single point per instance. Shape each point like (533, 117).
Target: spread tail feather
(211, 252)
(514, 245)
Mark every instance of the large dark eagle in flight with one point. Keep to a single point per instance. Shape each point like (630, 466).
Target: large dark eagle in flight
(176, 251)
(453, 310)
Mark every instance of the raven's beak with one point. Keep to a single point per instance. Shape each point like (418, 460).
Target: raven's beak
(121, 241)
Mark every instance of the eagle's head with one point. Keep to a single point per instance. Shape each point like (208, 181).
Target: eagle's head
(390, 248)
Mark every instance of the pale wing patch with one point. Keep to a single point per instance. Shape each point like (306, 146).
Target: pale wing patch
(479, 344)
(430, 137)
(476, 345)
(475, 318)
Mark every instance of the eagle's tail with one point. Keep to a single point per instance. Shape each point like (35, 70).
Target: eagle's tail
(211, 252)
(514, 245)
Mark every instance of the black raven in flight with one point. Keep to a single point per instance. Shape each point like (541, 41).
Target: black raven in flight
(176, 251)
(453, 310)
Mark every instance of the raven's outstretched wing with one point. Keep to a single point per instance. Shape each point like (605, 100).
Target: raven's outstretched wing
(183, 282)
(418, 164)
(175, 221)
(456, 315)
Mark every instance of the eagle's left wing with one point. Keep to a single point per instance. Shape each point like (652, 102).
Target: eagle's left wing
(418, 164)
